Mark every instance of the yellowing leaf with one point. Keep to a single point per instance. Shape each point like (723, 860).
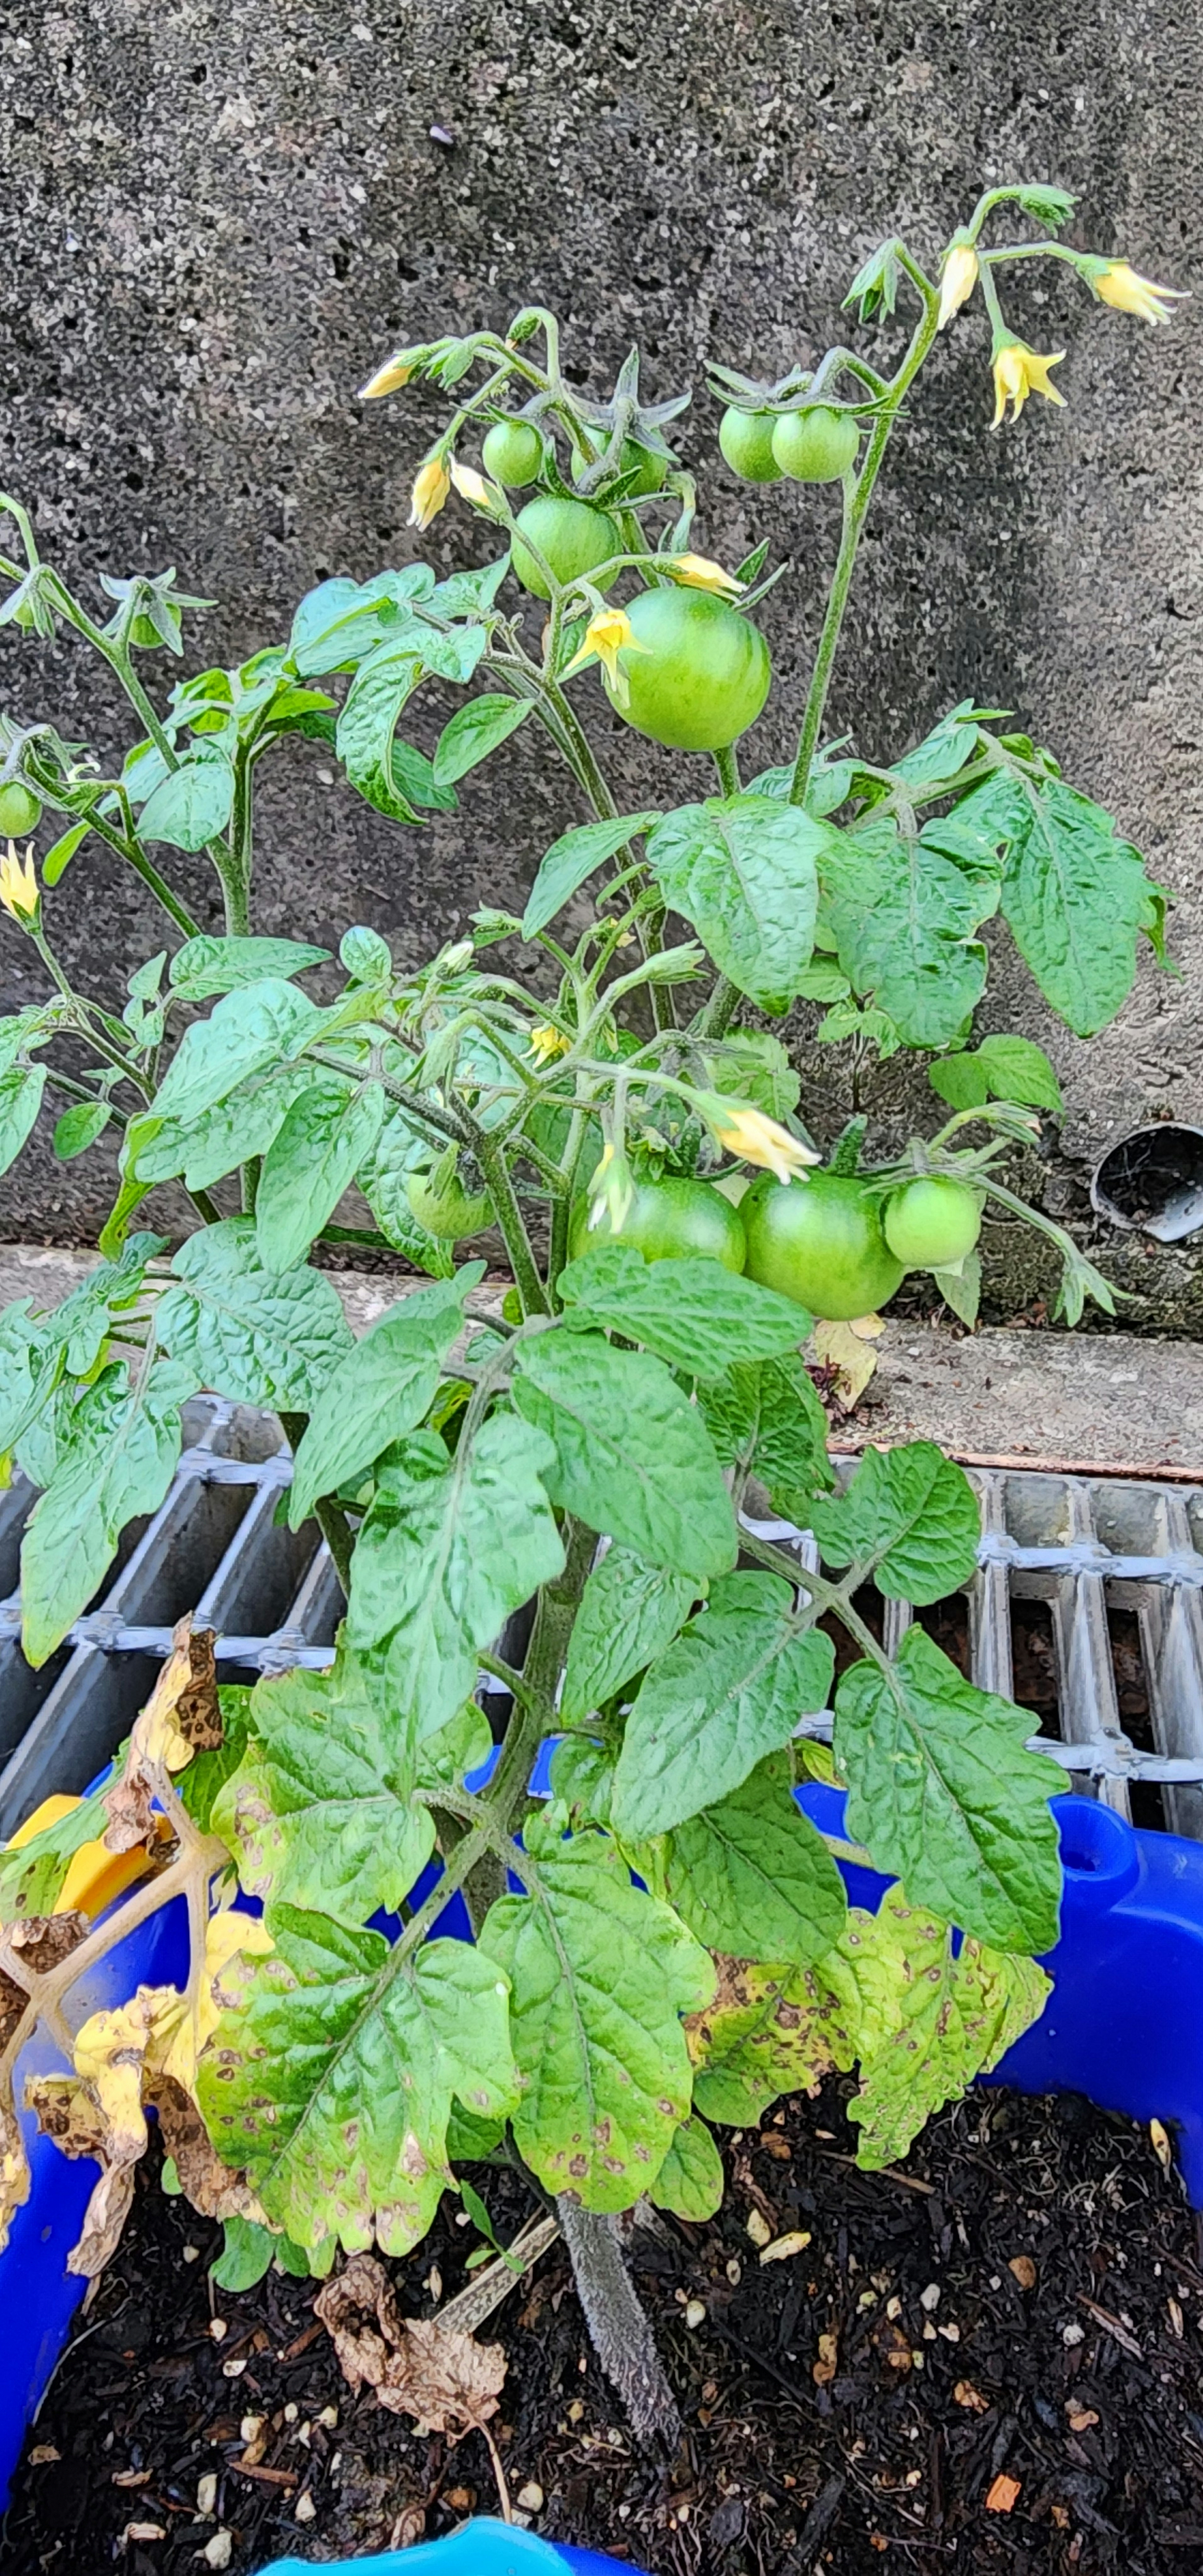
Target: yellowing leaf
(848, 1349)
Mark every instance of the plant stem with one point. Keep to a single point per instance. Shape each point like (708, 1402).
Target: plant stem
(527, 1280)
(619, 2330)
(728, 770)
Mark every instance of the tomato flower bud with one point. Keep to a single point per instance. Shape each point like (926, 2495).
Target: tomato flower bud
(1018, 372)
(607, 634)
(1116, 282)
(472, 487)
(19, 887)
(546, 1043)
(612, 1189)
(697, 572)
(755, 1137)
(959, 277)
(432, 484)
(389, 378)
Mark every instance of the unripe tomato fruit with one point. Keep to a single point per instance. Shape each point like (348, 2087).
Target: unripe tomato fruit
(651, 468)
(820, 1242)
(572, 537)
(513, 453)
(703, 676)
(816, 446)
(20, 811)
(746, 439)
(449, 1212)
(666, 1220)
(932, 1222)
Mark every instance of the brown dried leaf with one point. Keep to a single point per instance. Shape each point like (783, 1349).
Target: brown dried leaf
(157, 1744)
(214, 2189)
(14, 2171)
(98, 2111)
(13, 2000)
(131, 1818)
(198, 1710)
(417, 2367)
(43, 1941)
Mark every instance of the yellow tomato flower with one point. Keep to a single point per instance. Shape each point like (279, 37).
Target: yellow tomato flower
(432, 484)
(958, 280)
(472, 487)
(611, 1190)
(1018, 372)
(608, 633)
(388, 379)
(19, 886)
(699, 573)
(756, 1138)
(547, 1043)
(1117, 283)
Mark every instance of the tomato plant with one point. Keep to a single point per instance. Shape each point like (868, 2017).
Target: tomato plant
(746, 439)
(665, 1943)
(666, 1221)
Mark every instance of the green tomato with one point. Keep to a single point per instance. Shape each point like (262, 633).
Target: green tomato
(449, 1212)
(820, 1242)
(703, 674)
(932, 1223)
(652, 469)
(20, 811)
(572, 537)
(667, 1220)
(816, 446)
(746, 439)
(513, 453)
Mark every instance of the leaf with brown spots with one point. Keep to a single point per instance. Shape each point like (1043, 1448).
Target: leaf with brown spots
(444, 2379)
(763, 2035)
(198, 1710)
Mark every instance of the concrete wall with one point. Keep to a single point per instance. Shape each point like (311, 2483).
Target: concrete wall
(221, 218)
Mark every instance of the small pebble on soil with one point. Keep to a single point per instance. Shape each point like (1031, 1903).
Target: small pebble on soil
(988, 2359)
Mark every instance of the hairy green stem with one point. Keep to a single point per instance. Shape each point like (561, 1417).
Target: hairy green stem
(527, 1280)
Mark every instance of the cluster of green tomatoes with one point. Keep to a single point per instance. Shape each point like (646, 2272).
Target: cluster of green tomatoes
(697, 673)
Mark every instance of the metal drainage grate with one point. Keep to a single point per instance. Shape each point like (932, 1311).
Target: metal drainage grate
(1087, 1606)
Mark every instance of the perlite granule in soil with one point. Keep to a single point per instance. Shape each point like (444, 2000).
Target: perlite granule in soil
(988, 2359)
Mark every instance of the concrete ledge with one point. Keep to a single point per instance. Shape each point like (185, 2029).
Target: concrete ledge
(1104, 1401)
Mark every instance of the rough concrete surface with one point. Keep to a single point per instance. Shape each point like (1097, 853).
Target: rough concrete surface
(219, 220)
(1072, 1399)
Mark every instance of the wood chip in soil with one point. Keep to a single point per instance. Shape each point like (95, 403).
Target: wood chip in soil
(1000, 2370)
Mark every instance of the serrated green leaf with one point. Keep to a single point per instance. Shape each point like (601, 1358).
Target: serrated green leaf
(193, 803)
(475, 731)
(341, 621)
(691, 1312)
(116, 1460)
(960, 1080)
(769, 1418)
(1017, 1069)
(58, 859)
(247, 1033)
(945, 1795)
(909, 1517)
(445, 1758)
(246, 1333)
(582, 1777)
(961, 1289)
(246, 2255)
(743, 871)
(753, 1065)
(79, 1127)
(570, 860)
(331, 2076)
(762, 2036)
(729, 1690)
(946, 749)
(399, 1152)
(30, 1368)
(20, 1100)
(750, 1875)
(469, 2139)
(205, 966)
(205, 1149)
(80, 1326)
(1072, 894)
(448, 1549)
(385, 680)
(31, 1878)
(632, 1457)
(310, 1163)
(926, 2023)
(904, 917)
(320, 1813)
(691, 2180)
(380, 1390)
(200, 1783)
(600, 1976)
(629, 1613)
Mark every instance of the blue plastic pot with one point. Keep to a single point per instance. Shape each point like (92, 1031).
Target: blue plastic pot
(1124, 2025)
(480, 2548)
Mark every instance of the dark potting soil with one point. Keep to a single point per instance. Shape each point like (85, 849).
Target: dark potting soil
(990, 2359)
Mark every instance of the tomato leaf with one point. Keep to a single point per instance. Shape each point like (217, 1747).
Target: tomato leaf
(691, 2180)
(384, 681)
(730, 1689)
(600, 1976)
(475, 731)
(247, 1033)
(750, 1875)
(633, 1457)
(909, 1517)
(399, 1152)
(629, 1613)
(904, 915)
(1074, 896)
(761, 2037)
(380, 1390)
(743, 871)
(448, 1549)
(573, 858)
(311, 1161)
(1017, 1069)
(115, 1460)
(946, 1796)
(248, 1334)
(20, 1100)
(204, 1149)
(193, 803)
(320, 1812)
(79, 1127)
(770, 1419)
(689, 1311)
(204, 966)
